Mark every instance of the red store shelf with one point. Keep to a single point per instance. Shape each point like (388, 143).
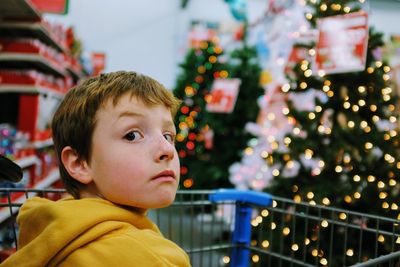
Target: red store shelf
(33, 61)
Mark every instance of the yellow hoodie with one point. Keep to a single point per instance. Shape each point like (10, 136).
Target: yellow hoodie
(89, 232)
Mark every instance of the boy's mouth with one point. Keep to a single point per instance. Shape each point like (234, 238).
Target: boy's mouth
(165, 174)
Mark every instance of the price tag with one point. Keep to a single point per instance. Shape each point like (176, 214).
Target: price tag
(223, 95)
(342, 43)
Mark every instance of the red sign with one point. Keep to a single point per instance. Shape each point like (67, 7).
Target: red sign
(223, 95)
(51, 6)
(342, 43)
(98, 63)
(300, 50)
(198, 36)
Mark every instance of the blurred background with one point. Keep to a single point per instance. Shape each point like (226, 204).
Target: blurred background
(296, 98)
(151, 36)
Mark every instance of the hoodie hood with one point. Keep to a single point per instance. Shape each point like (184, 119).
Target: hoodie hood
(50, 231)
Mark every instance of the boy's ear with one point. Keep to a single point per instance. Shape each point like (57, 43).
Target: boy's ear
(75, 166)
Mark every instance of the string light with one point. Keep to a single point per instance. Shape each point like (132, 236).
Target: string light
(187, 183)
(275, 172)
(286, 231)
(303, 85)
(271, 116)
(285, 88)
(386, 77)
(285, 111)
(226, 259)
(223, 74)
(321, 73)
(324, 223)
(326, 201)
(314, 252)
(308, 73)
(338, 169)
(287, 141)
(255, 258)
(371, 178)
(336, 7)
(350, 252)
(201, 69)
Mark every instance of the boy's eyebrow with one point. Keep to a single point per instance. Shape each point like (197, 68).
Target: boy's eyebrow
(168, 123)
(129, 114)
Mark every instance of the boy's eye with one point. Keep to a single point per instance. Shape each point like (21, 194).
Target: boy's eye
(169, 137)
(132, 136)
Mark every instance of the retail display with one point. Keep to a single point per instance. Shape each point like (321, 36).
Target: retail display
(37, 67)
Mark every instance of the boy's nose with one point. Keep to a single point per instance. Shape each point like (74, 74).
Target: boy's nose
(165, 150)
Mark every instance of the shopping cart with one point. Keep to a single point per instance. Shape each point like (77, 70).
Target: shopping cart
(244, 228)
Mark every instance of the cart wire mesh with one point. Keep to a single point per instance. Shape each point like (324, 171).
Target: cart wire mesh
(243, 228)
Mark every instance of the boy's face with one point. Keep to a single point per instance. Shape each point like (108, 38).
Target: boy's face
(133, 159)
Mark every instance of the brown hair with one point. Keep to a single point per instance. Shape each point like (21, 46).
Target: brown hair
(75, 119)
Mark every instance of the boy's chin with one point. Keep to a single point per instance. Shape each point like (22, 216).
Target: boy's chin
(165, 201)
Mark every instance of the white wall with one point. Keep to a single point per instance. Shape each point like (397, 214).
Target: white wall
(385, 16)
(150, 36)
(135, 35)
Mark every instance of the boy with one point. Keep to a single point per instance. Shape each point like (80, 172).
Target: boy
(114, 136)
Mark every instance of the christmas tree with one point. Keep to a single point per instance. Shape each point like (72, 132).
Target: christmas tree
(208, 142)
(274, 33)
(229, 135)
(343, 150)
(198, 71)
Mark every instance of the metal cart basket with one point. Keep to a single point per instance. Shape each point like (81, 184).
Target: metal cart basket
(244, 228)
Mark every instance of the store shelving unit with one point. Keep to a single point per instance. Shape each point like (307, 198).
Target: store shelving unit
(32, 30)
(18, 9)
(29, 89)
(19, 20)
(45, 183)
(30, 61)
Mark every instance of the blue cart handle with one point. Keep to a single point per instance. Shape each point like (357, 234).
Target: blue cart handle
(243, 196)
(240, 254)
